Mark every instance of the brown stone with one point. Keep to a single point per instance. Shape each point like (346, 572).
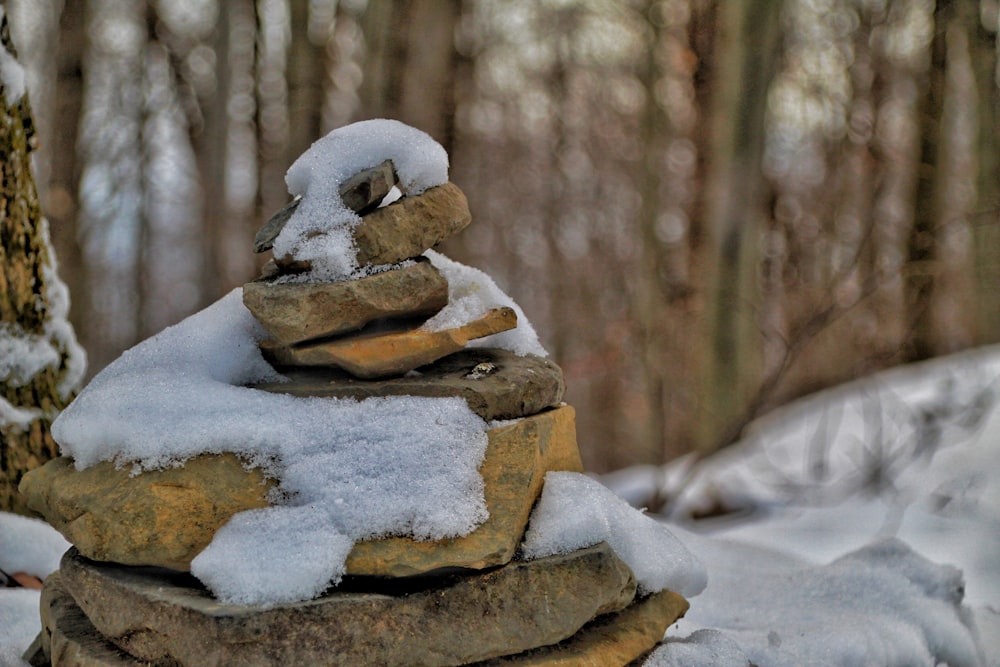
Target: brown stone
(517, 457)
(611, 640)
(403, 229)
(451, 620)
(385, 354)
(161, 517)
(167, 517)
(510, 386)
(69, 639)
(296, 312)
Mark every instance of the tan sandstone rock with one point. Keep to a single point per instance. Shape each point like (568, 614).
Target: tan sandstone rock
(160, 517)
(496, 384)
(451, 620)
(381, 355)
(167, 517)
(296, 312)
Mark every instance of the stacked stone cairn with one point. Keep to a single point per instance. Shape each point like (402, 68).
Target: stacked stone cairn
(124, 594)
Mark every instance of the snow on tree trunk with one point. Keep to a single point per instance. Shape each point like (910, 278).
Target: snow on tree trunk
(41, 363)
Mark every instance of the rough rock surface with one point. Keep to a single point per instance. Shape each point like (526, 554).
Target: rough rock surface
(165, 518)
(452, 620)
(613, 639)
(403, 229)
(386, 354)
(69, 639)
(511, 386)
(296, 312)
(517, 457)
(162, 517)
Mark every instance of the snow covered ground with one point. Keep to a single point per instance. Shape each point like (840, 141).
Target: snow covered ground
(908, 459)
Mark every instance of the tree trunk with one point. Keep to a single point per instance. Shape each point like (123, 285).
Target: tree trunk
(41, 363)
(747, 53)
(986, 220)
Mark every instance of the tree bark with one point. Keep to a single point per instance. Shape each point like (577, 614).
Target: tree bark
(41, 364)
(747, 52)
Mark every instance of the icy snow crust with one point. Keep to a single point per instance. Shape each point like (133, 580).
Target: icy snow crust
(348, 470)
(576, 512)
(472, 294)
(320, 229)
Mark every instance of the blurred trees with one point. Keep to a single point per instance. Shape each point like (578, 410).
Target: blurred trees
(706, 208)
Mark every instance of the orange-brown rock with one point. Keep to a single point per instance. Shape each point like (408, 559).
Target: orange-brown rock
(517, 457)
(381, 355)
(296, 312)
(160, 517)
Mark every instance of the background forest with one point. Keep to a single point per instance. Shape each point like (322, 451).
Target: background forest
(706, 208)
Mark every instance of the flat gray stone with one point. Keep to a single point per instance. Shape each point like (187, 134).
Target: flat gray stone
(511, 386)
(450, 620)
(296, 312)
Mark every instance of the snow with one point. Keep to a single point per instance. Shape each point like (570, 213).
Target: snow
(34, 547)
(24, 354)
(575, 512)
(319, 230)
(11, 74)
(882, 605)
(471, 295)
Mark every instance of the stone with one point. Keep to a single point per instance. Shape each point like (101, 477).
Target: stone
(161, 517)
(165, 518)
(404, 229)
(453, 620)
(613, 639)
(296, 312)
(394, 353)
(361, 193)
(69, 639)
(517, 386)
(517, 457)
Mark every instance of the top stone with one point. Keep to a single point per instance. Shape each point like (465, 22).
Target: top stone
(403, 229)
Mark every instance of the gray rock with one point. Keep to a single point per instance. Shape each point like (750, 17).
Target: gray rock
(163, 617)
(513, 387)
(297, 312)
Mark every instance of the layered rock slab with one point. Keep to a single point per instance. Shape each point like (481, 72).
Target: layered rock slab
(165, 518)
(161, 517)
(612, 640)
(295, 312)
(158, 617)
(68, 638)
(395, 353)
(495, 383)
